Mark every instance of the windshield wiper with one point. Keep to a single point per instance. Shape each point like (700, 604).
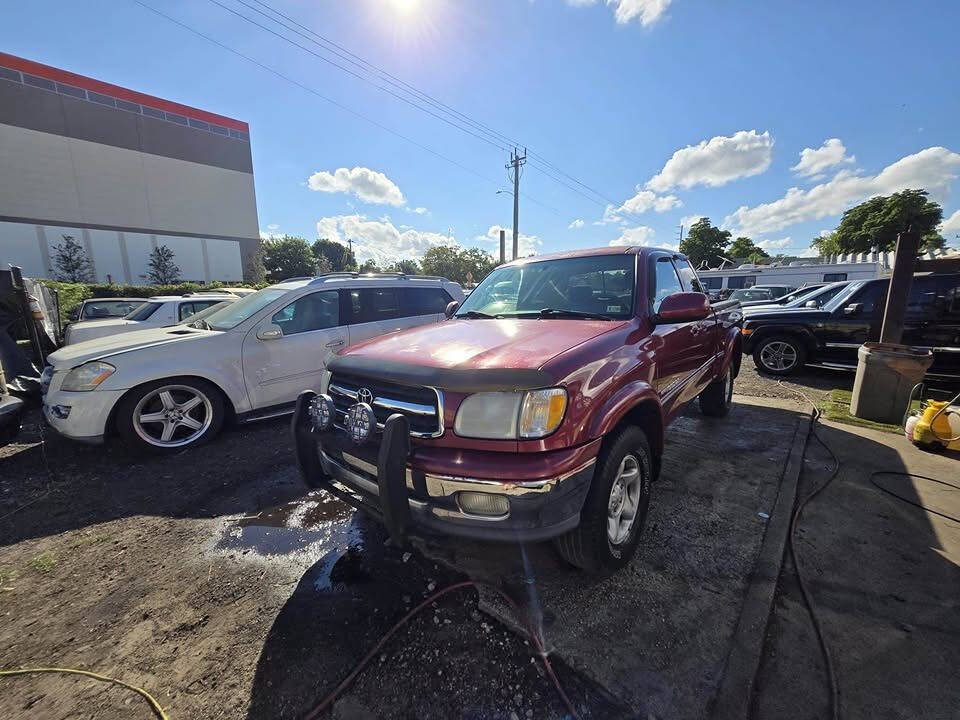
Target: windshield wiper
(557, 312)
(476, 314)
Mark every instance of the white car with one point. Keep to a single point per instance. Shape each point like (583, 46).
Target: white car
(168, 388)
(157, 311)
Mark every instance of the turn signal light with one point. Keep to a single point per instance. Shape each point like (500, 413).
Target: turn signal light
(477, 503)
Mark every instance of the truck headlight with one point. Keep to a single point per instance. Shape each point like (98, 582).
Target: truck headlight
(511, 415)
(87, 376)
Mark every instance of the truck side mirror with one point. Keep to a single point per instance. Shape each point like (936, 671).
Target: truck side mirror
(811, 304)
(853, 309)
(451, 308)
(683, 307)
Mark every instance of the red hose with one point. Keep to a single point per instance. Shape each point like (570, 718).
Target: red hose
(534, 638)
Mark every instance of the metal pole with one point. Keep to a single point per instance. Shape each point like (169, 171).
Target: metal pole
(516, 162)
(893, 315)
(21, 291)
(503, 246)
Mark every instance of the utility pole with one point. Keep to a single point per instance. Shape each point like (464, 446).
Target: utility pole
(503, 246)
(516, 162)
(681, 233)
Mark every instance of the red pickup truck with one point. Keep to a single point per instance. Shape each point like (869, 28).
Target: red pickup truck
(536, 411)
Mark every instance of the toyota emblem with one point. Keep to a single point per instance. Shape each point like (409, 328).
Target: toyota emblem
(365, 396)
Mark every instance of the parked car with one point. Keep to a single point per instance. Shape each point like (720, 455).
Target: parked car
(752, 295)
(102, 308)
(783, 299)
(783, 341)
(816, 297)
(168, 388)
(536, 411)
(157, 311)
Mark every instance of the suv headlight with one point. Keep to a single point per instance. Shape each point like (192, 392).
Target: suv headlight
(510, 415)
(87, 377)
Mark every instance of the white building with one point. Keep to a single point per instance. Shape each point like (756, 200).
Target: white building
(121, 172)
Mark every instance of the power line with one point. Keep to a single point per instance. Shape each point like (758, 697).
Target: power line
(333, 102)
(486, 134)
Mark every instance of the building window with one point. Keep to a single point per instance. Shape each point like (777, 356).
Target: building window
(712, 283)
(102, 99)
(173, 117)
(128, 106)
(199, 124)
(834, 277)
(219, 130)
(740, 281)
(8, 74)
(154, 113)
(39, 82)
(72, 91)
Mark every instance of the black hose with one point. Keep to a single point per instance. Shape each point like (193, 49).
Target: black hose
(908, 500)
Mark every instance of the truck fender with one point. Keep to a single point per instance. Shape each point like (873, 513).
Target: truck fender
(636, 397)
(732, 350)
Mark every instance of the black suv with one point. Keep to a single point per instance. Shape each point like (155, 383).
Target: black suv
(782, 341)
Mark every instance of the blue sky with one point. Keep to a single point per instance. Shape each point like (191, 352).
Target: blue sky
(670, 109)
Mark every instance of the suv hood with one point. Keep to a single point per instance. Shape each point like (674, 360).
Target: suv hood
(480, 344)
(101, 348)
(785, 314)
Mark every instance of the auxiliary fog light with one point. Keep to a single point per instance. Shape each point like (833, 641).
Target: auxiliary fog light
(478, 503)
(321, 412)
(360, 422)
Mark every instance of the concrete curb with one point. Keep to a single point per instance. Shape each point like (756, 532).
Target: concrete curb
(735, 695)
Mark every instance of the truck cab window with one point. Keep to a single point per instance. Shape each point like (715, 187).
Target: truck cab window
(665, 282)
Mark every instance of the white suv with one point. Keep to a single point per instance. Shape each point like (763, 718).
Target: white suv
(167, 388)
(157, 311)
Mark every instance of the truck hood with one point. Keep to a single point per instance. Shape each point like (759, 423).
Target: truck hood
(104, 347)
(480, 344)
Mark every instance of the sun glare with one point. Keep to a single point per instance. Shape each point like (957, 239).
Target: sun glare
(405, 7)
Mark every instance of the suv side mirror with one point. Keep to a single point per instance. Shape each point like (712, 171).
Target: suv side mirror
(683, 307)
(269, 332)
(853, 309)
(451, 308)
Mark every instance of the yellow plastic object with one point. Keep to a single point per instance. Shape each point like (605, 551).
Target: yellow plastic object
(939, 430)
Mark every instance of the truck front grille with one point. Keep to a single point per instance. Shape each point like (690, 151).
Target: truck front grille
(423, 406)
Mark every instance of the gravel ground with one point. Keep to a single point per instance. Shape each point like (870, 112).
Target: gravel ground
(816, 383)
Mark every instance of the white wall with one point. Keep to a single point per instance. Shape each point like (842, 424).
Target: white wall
(19, 246)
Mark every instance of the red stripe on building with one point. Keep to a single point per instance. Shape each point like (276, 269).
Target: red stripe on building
(82, 81)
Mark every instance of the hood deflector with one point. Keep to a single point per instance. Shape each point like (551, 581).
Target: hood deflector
(459, 380)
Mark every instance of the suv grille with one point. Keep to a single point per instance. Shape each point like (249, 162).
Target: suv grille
(421, 405)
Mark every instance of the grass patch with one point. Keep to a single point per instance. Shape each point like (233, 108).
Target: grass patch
(87, 540)
(7, 576)
(836, 407)
(44, 562)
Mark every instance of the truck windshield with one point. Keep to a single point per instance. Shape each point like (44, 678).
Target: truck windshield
(592, 285)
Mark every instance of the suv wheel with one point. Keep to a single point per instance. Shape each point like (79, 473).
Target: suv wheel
(717, 397)
(616, 506)
(779, 355)
(169, 415)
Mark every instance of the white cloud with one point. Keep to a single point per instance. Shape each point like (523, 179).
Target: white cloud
(647, 200)
(611, 216)
(769, 245)
(814, 162)
(951, 225)
(639, 235)
(576, 224)
(380, 240)
(932, 169)
(716, 161)
(368, 185)
(271, 233)
(689, 221)
(526, 244)
(810, 252)
(419, 211)
(647, 12)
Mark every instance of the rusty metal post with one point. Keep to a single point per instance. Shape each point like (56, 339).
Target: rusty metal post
(899, 292)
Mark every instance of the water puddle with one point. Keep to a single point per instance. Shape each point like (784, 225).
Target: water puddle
(319, 528)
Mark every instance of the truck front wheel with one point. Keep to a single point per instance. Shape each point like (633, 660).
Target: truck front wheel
(717, 397)
(615, 509)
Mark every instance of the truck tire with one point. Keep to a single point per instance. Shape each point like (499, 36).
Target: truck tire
(780, 355)
(616, 506)
(717, 397)
(167, 416)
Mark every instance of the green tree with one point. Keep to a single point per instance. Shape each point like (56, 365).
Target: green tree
(705, 243)
(161, 269)
(369, 266)
(254, 271)
(457, 264)
(876, 223)
(338, 255)
(744, 247)
(71, 262)
(407, 267)
(288, 257)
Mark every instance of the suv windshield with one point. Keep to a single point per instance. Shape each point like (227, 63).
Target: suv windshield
(593, 285)
(749, 295)
(235, 313)
(144, 311)
(841, 298)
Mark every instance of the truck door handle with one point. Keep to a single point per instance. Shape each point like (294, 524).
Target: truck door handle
(335, 343)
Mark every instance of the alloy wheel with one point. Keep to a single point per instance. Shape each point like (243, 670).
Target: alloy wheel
(172, 416)
(778, 355)
(624, 500)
